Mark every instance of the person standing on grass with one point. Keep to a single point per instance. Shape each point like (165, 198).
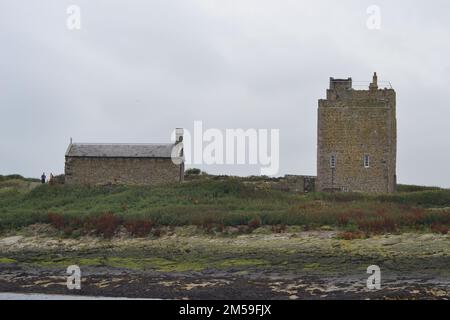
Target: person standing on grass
(43, 177)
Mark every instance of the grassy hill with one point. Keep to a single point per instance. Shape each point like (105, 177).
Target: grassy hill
(215, 205)
(17, 182)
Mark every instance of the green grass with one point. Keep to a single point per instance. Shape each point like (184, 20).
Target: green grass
(18, 185)
(7, 260)
(17, 177)
(228, 202)
(414, 188)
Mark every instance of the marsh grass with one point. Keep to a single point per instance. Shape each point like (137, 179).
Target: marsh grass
(213, 205)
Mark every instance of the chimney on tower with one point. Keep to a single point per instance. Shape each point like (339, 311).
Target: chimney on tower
(374, 85)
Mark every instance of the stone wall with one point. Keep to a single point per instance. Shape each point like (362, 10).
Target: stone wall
(295, 183)
(351, 124)
(139, 171)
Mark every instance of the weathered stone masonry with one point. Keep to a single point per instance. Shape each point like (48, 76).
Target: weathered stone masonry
(357, 139)
(141, 171)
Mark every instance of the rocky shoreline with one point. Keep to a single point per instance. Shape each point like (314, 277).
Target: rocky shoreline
(184, 265)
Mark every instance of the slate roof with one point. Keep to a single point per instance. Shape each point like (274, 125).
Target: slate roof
(118, 150)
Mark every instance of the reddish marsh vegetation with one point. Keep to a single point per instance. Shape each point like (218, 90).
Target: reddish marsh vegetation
(215, 206)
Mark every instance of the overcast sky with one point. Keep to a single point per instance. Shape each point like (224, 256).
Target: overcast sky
(138, 69)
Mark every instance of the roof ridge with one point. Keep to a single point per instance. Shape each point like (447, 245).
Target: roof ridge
(146, 150)
(122, 144)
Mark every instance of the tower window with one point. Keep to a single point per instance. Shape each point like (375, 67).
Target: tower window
(333, 161)
(366, 161)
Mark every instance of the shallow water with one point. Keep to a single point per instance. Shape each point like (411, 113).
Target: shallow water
(38, 296)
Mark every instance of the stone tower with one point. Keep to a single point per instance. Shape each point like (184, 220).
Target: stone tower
(357, 138)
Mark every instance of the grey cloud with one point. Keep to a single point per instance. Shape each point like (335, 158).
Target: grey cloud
(137, 69)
